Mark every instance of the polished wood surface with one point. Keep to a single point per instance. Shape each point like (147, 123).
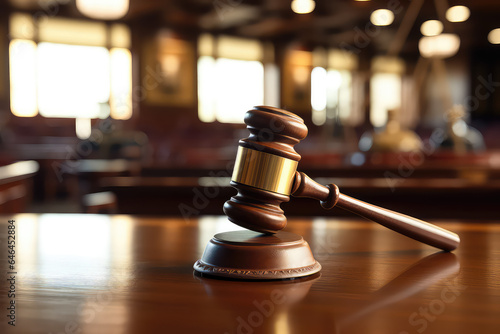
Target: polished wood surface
(123, 274)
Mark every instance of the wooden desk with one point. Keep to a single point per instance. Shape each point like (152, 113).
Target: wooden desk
(16, 185)
(122, 274)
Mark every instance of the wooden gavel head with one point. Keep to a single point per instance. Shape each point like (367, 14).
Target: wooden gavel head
(265, 169)
(265, 174)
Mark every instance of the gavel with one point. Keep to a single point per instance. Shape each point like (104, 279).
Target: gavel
(265, 175)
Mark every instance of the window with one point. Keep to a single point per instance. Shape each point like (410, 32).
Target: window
(385, 95)
(227, 88)
(235, 81)
(69, 73)
(86, 68)
(385, 88)
(332, 88)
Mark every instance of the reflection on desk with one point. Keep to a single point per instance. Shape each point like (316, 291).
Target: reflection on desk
(123, 274)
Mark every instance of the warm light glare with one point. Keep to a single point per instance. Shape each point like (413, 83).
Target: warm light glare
(239, 48)
(69, 71)
(240, 86)
(73, 81)
(457, 14)
(83, 128)
(271, 85)
(431, 28)
(206, 89)
(494, 36)
(170, 65)
(385, 95)
(342, 59)
(382, 17)
(103, 9)
(330, 94)
(21, 26)
(440, 46)
(120, 100)
(300, 75)
(227, 88)
(303, 6)
(388, 64)
(23, 91)
(318, 88)
(318, 95)
(334, 84)
(340, 93)
(72, 247)
(120, 36)
(70, 31)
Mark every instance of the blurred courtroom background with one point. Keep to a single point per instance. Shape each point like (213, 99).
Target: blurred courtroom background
(136, 106)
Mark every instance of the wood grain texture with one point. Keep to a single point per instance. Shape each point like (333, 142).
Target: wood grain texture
(122, 274)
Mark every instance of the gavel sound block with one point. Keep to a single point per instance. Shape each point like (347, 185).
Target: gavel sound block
(265, 175)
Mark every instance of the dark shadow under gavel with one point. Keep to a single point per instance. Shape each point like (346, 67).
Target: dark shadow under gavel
(265, 175)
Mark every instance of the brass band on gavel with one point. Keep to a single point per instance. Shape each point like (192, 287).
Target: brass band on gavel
(264, 171)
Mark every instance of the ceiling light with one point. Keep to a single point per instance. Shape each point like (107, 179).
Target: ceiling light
(494, 36)
(440, 46)
(457, 14)
(431, 28)
(103, 9)
(303, 6)
(382, 17)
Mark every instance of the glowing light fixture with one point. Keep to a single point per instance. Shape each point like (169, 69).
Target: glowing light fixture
(103, 9)
(457, 14)
(303, 6)
(431, 28)
(494, 36)
(318, 88)
(382, 17)
(440, 46)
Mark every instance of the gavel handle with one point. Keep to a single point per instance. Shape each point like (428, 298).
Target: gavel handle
(417, 229)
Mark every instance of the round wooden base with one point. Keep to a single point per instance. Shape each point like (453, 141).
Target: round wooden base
(253, 255)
